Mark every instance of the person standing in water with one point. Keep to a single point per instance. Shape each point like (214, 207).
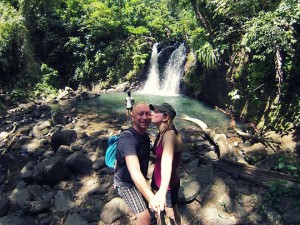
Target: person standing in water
(168, 150)
(129, 102)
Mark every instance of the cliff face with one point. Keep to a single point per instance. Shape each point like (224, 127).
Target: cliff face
(261, 105)
(210, 87)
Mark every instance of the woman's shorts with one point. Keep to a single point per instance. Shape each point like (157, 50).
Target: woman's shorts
(133, 198)
(172, 195)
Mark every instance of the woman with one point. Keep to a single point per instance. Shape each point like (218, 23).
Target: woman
(167, 148)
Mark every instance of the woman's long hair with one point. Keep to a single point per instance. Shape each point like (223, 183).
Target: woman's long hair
(170, 125)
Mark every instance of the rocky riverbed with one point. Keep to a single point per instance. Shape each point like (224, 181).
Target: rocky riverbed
(52, 171)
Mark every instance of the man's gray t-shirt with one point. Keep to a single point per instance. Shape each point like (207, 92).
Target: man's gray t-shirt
(131, 143)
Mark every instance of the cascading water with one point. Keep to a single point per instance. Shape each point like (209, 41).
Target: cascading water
(174, 71)
(169, 84)
(153, 74)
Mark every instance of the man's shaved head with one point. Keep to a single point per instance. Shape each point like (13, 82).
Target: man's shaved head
(141, 117)
(137, 106)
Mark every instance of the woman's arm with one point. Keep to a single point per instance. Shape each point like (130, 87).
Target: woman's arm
(169, 142)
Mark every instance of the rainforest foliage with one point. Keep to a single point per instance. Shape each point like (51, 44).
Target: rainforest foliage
(252, 44)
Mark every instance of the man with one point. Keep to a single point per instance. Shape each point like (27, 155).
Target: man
(133, 153)
(129, 102)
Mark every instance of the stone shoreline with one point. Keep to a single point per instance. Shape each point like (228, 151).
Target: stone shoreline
(52, 171)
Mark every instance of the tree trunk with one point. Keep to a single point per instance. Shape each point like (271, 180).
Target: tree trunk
(265, 178)
(203, 21)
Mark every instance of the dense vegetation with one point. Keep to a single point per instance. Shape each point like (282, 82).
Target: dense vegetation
(252, 44)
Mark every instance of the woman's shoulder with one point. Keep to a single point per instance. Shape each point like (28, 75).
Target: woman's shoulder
(170, 136)
(170, 132)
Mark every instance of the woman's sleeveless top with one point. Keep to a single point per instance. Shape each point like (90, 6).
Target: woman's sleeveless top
(157, 168)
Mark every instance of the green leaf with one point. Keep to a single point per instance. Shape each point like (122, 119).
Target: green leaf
(281, 165)
(291, 167)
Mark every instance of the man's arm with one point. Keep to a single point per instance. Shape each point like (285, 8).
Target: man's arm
(139, 180)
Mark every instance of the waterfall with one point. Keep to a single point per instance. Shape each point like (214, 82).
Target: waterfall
(153, 74)
(168, 85)
(174, 71)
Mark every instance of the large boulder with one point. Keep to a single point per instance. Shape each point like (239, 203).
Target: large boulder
(79, 163)
(50, 171)
(113, 210)
(65, 137)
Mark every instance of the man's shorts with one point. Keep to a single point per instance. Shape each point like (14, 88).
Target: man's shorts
(133, 198)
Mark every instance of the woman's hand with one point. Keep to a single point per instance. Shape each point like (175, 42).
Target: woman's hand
(161, 199)
(154, 204)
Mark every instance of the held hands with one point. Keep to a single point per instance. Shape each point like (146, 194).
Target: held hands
(154, 204)
(160, 197)
(158, 202)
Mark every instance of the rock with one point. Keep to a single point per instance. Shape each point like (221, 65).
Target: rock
(44, 107)
(122, 87)
(85, 95)
(58, 118)
(46, 221)
(113, 210)
(188, 191)
(272, 215)
(63, 202)
(33, 207)
(192, 165)
(41, 128)
(75, 219)
(65, 94)
(79, 163)
(65, 137)
(35, 190)
(95, 188)
(99, 164)
(20, 196)
(27, 176)
(64, 151)
(4, 204)
(50, 171)
(29, 166)
(211, 216)
(17, 220)
(91, 215)
(211, 155)
(34, 148)
(255, 153)
(91, 145)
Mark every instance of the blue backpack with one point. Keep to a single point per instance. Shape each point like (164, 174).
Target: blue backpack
(111, 151)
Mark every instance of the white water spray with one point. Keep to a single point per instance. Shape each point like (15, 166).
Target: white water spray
(169, 84)
(153, 74)
(174, 71)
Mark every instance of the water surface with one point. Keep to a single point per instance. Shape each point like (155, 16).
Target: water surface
(112, 105)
